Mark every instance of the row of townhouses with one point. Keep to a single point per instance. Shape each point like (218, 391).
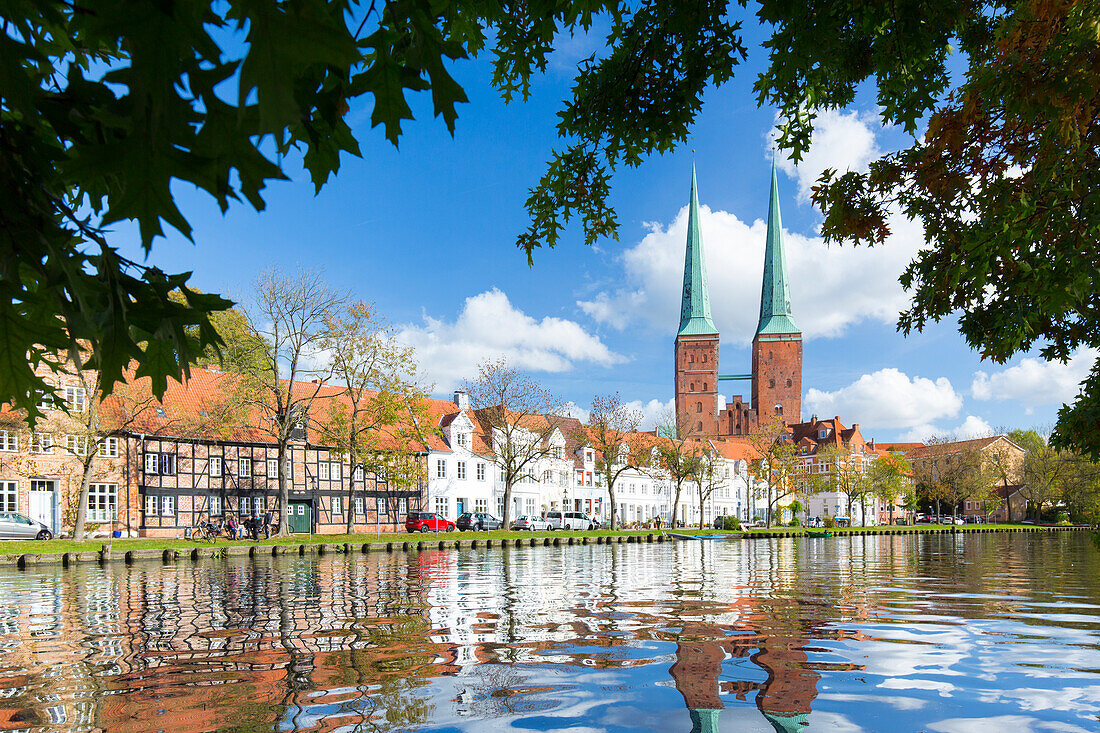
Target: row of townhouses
(167, 469)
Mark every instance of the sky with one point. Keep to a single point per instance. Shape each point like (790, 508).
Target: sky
(426, 232)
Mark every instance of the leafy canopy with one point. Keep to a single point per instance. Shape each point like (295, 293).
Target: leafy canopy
(105, 103)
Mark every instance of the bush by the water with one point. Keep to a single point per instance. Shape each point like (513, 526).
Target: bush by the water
(829, 522)
(731, 524)
(796, 522)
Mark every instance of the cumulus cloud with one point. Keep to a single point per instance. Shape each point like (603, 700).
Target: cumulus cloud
(652, 412)
(1035, 382)
(489, 326)
(889, 399)
(832, 288)
(972, 427)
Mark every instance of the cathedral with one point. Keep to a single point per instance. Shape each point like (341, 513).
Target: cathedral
(776, 378)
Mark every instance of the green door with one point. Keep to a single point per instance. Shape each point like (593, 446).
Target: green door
(299, 517)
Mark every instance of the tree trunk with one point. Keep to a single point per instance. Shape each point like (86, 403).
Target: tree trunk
(82, 505)
(507, 503)
(352, 458)
(675, 503)
(701, 502)
(284, 492)
(862, 510)
(938, 515)
(611, 502)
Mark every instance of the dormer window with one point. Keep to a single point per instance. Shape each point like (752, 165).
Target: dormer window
(822, 434)
(463, 440)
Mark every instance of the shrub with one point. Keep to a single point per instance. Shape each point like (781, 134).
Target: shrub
(829, 522)
(731, 524)
(796, 522)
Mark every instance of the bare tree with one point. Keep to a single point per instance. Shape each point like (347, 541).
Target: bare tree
(778, 462)
(844, 475)
(678, 453)
(613, 434)
(288, 317)
(382, 409)
(520, 416)
(707, 479)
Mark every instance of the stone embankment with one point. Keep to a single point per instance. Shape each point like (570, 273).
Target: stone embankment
(199, 552)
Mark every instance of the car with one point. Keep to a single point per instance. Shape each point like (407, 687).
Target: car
(477, 521)
(15, 526)
(427, 522)
(530, 522)
(571, 521)
(900, 521)
(815, 523)
(922, 518)
(972, 519)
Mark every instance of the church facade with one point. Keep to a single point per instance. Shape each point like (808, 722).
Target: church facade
(776, 377)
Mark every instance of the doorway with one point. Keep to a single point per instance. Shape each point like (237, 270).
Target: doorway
(299, 517)
(43, 504)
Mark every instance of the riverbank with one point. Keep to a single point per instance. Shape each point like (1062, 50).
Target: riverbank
(29, 553)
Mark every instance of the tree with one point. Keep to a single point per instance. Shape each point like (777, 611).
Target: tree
(381, 410)
(1043, 470)
(844, 475)
(678, 453)
(612, 433)
(289, 322)
(707, 479)
(891, 478)
(778, 465)
(520, 416)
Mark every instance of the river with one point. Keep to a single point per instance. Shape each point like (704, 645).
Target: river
(880, 633)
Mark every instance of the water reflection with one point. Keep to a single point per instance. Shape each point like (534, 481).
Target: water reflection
(861, 633)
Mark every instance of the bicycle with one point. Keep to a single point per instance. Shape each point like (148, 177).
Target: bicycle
(206, 531)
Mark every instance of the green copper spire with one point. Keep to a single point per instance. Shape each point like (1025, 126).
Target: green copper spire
(775, 295)
(695, 307)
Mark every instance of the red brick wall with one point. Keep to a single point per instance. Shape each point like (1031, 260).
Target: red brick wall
(696, 360)
(777, 376)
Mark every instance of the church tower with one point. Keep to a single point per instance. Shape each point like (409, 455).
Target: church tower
(777, 347)
(696, 351)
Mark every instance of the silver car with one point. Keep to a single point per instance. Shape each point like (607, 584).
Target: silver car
(14, 526)
(531, 523)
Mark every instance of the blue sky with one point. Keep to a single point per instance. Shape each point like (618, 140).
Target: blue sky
(427, 233)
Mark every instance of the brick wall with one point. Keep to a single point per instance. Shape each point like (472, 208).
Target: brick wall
(696, 363)
(777, 376)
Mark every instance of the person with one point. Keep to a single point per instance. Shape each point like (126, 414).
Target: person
(232, 528)
(658, 521)
(268, 518)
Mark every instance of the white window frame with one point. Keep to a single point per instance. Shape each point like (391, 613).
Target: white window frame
(152, 463)
(337, 505)
(76, 445)
(335, 472)
(102, 502)
(244, 467)
(9, 496)
(216, 507)
(402, 506)
(152, 506)
(441, 468)
(168, 464)
(108, 447)
(358, 473)
(360, 507)
(380, 506)
(322, 470)
(41, 443)
(460, 471)
(9, 441)
(273, 468)
(244, 506)
(441, 506)
(76, 397)
(214, 466)
(168, 506)
(480, 471)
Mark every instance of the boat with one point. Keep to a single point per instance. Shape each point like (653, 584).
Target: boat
(679, 536)
(825, 533)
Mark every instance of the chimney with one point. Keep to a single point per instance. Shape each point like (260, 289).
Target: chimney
(813, 420)
(855, 426)
(836, 420)
(462, 400)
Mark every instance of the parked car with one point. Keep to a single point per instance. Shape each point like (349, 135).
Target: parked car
(900, 521)
(427, 522)
(949, 519)
(531, 523)
(815, 523)
(922, 518)
(477, 521)
(973, 519)
(14, 526)
(571, 521)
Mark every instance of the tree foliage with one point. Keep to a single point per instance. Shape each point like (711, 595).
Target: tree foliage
(613, 434)
(679, 451)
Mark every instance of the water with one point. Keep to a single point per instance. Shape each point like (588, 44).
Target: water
(894, 633)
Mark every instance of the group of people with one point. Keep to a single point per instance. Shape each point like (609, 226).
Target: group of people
(252, 526)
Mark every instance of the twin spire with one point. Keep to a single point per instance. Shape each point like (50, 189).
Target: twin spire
(775, 295)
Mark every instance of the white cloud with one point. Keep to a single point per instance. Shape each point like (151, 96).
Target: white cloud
(842, 141)
(972, 427)
(887, 399)
(652, 411)
(1035, 382)
(489, 326)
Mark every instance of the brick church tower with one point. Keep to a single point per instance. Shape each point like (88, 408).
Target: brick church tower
(696, 351)
(777, 347)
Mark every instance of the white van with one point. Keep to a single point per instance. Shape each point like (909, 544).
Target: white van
(571, 521)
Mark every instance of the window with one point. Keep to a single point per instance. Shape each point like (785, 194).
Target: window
(77, 445)
(216, 506)
(103, 502)
(462, 439)
(334, 470)
(152, 463)
(322, 470)
(530, 504)
(481, 505)
(162, 463)
(76, 397)
(440, 468)
(402, 506)
(9, 493)
(698, 406)
(259, 503)
(462, 469)
(481, 472)
(357, 474)
(704, 386)
(168, 506)
(779, 409)
(337, 505)
(9, 441)
(788, 383)
(245, 505)
(691, 388)
(500, 506)
(380, 506)
(771, 383)
(160, 411)
(359, 506)
(244, 467)
(151, 505)
(41, 443)
(441, 506)
(215, 465)
(108, 448)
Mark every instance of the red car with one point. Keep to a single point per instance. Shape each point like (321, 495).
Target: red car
(427, 522)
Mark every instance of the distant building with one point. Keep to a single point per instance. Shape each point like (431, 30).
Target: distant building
(1002, 458)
